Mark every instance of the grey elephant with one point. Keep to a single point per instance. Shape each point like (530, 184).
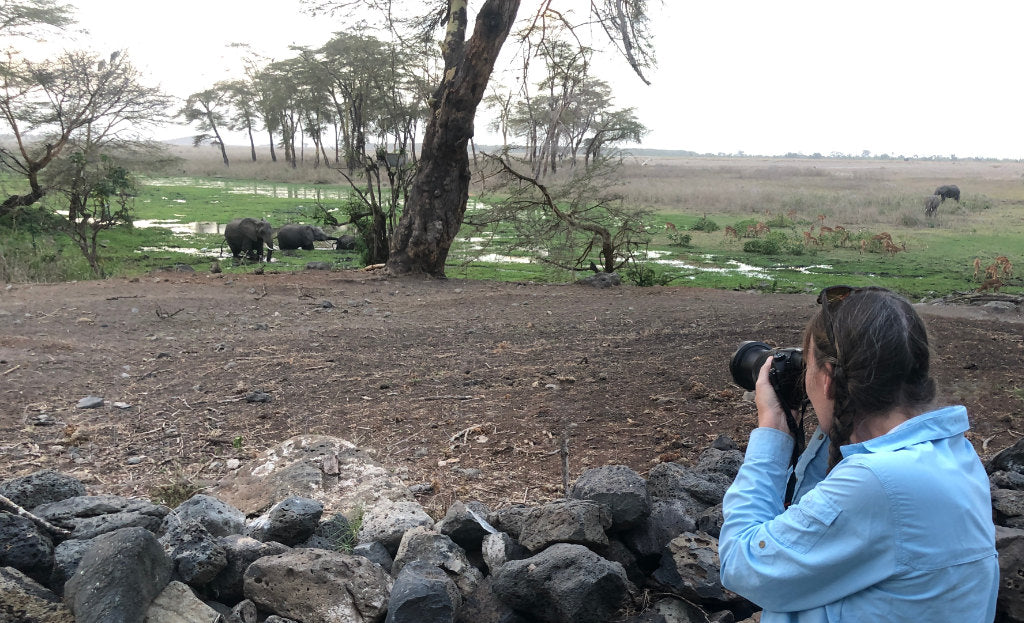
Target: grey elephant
(931, 204)
(294, 236)
(247, 235)
(949, 191)
(345, 243)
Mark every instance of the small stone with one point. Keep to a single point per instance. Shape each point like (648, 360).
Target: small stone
(122, 405)
(232, 464)
(90, 402)
(257, 397)
(134, 460)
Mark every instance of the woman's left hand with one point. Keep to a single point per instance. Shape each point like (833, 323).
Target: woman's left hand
(769, 410)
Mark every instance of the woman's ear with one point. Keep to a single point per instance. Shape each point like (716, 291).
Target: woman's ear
(829, 370)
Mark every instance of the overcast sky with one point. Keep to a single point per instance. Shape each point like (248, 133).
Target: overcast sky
(903, 77)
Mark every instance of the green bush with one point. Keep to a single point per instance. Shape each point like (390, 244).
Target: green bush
(705, 225)
(682, 240)
(641, 274)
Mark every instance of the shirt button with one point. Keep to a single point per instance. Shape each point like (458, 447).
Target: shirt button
(821, 435)
(761, 544)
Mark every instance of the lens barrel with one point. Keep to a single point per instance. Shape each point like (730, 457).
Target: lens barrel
(746, 363)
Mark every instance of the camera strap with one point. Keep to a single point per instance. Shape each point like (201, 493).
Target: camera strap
(795, 427)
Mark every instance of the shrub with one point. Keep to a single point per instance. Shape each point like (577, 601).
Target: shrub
(705, 225)
(763, 246)
(682, 240)
(643, 275)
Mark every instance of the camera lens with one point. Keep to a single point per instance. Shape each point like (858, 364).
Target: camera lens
(746, 363)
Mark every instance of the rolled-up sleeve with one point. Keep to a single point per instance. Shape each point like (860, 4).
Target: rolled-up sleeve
(837, 540)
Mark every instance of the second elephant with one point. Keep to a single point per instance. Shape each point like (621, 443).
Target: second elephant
(294, 236)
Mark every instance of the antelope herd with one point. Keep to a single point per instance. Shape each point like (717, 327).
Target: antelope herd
(1001, 268)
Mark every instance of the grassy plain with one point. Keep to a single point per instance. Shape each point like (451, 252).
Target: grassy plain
(791, 196)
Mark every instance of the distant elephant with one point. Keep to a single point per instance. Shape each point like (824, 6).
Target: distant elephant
(931, 204)
(345, 243)
(247, 235)
(950, 191)
(294, 236)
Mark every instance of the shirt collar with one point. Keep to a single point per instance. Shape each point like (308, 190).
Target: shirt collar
(938, 424)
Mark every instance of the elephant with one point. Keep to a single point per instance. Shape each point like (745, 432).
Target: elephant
(247, 235)
(950, 191)
(345, 243)
(295, 236)
(931, 204)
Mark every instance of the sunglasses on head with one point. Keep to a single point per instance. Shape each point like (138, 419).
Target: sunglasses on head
(829, 299)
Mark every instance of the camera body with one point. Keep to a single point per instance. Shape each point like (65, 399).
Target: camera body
(787, 368)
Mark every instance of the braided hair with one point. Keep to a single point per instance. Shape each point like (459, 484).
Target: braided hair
(879, 360)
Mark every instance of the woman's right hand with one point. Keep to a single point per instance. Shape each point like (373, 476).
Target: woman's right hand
(769, 410)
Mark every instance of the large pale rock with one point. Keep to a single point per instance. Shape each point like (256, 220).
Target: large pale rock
(319, 586)
(119, 576)
(327, 469)
(41, 487)
(178, 604)
(23, 600)
(563, 584)
(566, 521)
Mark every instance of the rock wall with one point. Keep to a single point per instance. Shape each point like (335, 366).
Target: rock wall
(316, 532)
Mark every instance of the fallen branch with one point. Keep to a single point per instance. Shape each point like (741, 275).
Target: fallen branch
(42, 523)
(446, 398)
(162, 315)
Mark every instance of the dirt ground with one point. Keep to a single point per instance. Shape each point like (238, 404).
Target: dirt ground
(467, 386)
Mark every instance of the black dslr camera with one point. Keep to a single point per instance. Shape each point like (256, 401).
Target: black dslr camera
(786, 373)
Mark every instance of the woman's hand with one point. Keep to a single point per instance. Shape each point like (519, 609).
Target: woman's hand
(769, 410)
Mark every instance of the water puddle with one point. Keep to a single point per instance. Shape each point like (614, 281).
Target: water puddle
(255, 187)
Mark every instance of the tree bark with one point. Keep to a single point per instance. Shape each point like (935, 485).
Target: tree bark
(440, 191)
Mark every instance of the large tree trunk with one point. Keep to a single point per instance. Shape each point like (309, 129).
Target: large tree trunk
(437, 199)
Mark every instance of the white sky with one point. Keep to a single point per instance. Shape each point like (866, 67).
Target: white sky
(904, 77)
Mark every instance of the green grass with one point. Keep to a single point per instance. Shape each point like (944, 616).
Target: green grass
(866, 198)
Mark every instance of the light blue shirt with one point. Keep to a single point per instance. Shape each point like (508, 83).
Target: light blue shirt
(900, 530)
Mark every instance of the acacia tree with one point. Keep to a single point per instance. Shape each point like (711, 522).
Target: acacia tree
(568, 226)
(242, 100)
(210, 111)
(437, 199)
(53, 105)
(84, 111)
(18, 19)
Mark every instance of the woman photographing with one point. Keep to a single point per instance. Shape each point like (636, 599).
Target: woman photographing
(894, 521)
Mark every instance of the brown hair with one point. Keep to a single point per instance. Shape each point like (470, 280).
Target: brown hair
(879, 359)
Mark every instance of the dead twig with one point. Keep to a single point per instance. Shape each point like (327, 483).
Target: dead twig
(162, 315)
(39, 521)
